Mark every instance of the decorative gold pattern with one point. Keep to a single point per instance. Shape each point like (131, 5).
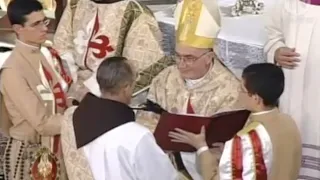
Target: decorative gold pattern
(216, 92)
(77, 165)
(134, 34)
(188, 23)
(45, 165)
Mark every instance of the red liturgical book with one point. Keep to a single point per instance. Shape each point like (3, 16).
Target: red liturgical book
(221, 127)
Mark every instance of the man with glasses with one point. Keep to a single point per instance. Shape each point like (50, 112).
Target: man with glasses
(34, 96)
(268, 147)
(197, 84)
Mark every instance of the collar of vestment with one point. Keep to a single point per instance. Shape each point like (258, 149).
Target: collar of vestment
(24, 47)
(264, 115)
(96, 116)
(216, 71)
(31, 54)
(194, 82)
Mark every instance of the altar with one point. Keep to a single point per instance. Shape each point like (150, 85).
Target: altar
(240, 40)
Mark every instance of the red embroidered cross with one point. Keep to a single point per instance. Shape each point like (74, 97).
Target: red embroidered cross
(103, 47)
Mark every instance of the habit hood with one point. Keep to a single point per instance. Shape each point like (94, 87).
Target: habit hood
(96, 116)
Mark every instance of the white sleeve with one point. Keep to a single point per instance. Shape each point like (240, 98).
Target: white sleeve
(151, 162)
(273, 19)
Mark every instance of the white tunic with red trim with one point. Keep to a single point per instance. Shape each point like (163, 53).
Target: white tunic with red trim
(248, 156)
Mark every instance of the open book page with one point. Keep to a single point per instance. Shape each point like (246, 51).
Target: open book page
(219, 128)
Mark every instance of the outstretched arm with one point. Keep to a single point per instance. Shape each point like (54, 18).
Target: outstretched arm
(149, 118)
(157, 95)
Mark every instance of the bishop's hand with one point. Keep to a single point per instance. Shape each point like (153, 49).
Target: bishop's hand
(287, 57)
(195, 140)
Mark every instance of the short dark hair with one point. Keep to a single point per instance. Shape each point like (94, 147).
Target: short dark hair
(19, 9)
(113, 73)
(266, 80)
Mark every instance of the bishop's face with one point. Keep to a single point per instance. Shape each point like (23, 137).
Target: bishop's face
(34, 30)
(193, 63)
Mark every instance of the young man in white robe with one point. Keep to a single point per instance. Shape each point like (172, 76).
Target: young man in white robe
(108, 139)
(293, 27)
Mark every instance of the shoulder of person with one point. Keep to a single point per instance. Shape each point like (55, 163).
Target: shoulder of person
(224, 72)
(68, 113)
(249, 128)
(10, 69)
(11, 59)
(166, 74)
(288, 121)
(132, 131)
(136, 127)
(74, 2)
(139, 7)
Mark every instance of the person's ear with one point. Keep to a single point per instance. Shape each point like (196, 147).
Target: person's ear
(209, 58)
(258, 99)
(128, 88)
(17, 28)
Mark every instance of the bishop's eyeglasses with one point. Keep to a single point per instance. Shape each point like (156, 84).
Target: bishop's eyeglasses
(188, 59)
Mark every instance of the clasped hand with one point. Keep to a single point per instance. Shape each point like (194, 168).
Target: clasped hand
(287, 57)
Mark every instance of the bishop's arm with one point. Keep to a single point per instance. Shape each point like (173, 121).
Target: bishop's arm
(22, 103)
(156, 94)
(273, 19)
(147, 118)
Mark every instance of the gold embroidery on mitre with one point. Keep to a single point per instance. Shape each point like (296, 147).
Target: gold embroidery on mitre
(188, 23)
